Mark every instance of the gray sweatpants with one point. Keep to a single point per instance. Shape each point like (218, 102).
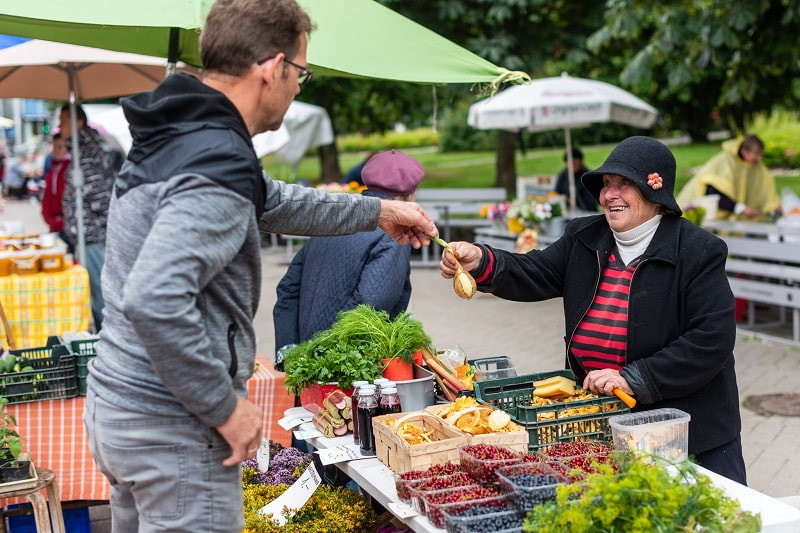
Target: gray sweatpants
(166, 472)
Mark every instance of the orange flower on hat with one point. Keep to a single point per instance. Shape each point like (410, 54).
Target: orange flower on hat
(654, 181)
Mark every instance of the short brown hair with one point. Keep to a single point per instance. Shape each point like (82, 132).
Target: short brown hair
(237, 33)
(752, 142)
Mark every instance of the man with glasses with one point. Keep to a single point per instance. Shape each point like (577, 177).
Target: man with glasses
(166, 411)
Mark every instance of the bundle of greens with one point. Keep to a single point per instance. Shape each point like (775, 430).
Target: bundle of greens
(353, 348)
(641, 497)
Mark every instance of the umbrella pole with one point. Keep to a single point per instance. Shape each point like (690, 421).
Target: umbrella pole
(77, 173)
(570, 172)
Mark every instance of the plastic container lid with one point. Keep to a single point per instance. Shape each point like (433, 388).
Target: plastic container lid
(388, 390)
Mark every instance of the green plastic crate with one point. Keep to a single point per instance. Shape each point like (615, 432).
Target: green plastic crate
(554, 423)
(84, 351)
(53, 376)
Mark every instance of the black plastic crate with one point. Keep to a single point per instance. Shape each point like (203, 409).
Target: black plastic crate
(557, 422)
(53, 375)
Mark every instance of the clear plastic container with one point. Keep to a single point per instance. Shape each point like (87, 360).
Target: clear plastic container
(530, 484)
(404, 481)
(474, 520)
(663, 433)
(484, 468)
(419, 489)
(436, 511)
(489, 368)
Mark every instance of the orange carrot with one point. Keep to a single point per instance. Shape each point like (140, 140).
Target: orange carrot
(434, 364)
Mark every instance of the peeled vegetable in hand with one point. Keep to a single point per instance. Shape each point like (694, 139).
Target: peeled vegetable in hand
(463, 283)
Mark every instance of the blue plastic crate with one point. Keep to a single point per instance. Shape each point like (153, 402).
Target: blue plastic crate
(75, 520)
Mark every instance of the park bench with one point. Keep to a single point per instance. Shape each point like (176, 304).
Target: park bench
(764, 266)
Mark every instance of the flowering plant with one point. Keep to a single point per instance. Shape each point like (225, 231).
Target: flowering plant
(352, 187)
(535, 210)
(496, 212)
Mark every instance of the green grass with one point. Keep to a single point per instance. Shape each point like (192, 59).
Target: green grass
(476, 169)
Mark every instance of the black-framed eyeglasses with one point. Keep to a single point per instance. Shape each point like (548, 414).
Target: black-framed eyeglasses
(305, 73)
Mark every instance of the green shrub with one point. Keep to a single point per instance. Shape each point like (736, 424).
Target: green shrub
(780, 131)
(377, 142)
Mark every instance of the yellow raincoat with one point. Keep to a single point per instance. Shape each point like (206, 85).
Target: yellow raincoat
(752, 185)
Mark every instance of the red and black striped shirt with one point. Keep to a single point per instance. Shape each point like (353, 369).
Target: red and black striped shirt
(600, 339)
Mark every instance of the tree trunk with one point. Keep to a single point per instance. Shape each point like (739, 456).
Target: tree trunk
(506, 168)
(329, 163)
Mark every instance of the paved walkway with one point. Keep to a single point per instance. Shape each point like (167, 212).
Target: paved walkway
(532, 336)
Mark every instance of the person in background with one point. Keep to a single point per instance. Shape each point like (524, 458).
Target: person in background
(14, 180)
(333, 274)
(355, 172)
(647, 303)
(745, 186)
(583, 198)
(54, 182)
(98, 181)
(166, 410)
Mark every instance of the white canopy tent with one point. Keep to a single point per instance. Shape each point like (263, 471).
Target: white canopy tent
(561, 102)
(305, 126)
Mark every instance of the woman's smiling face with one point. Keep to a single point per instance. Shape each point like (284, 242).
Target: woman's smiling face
(623, 204)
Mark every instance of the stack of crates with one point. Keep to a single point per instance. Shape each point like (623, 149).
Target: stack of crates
(50, 374)
(560, 421)
(84, 351)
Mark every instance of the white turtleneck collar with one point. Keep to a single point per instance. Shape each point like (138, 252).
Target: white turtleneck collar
(632, 243)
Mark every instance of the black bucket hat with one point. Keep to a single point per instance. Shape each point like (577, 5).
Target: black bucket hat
(644, 161)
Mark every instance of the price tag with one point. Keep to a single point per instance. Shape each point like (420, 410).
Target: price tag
(291, 421)
(401, 509)
(339, 454)
(262, 456)
(305, 434)
(294, 497)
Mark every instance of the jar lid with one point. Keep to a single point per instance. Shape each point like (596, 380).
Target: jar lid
(388, 390)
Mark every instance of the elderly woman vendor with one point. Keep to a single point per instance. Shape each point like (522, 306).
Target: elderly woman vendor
(647, 305)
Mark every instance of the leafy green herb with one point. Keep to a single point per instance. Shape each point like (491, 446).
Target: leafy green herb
(642, 498)
(354, 348)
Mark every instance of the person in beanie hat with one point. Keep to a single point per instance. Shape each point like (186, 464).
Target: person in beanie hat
(647, 305)
(333, 274)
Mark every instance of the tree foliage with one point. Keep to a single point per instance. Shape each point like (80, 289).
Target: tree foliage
(696, 59)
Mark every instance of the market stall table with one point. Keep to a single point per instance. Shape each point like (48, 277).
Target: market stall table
(54, 433)
(44, 304)
(378, 481)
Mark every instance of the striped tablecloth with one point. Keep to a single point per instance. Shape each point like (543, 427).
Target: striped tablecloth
(44, 304)
(54, 433)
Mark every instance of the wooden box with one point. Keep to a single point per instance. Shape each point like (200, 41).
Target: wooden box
(516, 440)
(400, 456)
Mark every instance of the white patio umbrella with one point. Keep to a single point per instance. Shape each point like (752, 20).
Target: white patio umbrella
(58, 71)
(561, 102)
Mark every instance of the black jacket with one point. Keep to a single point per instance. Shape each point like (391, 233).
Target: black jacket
(681, 326)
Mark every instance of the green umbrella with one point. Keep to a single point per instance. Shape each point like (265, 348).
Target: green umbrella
(358, 38)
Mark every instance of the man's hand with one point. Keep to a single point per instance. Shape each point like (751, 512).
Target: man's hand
(242, 430)
(467, 254)
(605, 381)
(406, 222)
